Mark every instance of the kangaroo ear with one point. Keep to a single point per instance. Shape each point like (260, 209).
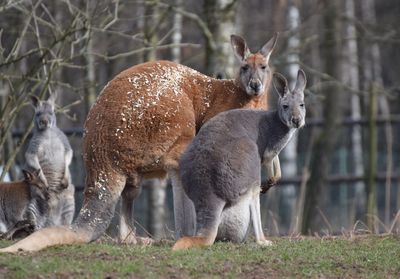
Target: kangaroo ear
(267, 49)
(280, 84)
(27, 175)
(301, 82)
(239, 47)
(52, 98)
(35, 102)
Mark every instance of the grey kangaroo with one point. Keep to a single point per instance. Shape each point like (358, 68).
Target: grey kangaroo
(50, 152)
(23, 205)
(221, 169)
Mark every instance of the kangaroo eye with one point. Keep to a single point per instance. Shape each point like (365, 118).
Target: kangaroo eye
(263, 67)
(245, 68)
(285, 107)
(302, 105)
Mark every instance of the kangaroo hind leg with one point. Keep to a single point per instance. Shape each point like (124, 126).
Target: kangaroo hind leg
(256, 220)
(103, 189)
(208, 218)
(127, 229)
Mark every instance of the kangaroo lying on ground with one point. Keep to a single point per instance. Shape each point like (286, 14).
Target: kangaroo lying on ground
(138, 128)
(23, 205)
(49, 152)
(221, 169)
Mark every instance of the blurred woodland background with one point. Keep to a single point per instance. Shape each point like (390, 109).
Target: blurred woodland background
(341, 174)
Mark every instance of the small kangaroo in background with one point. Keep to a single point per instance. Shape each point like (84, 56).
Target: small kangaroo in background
(23, 205)
(221, 169)
(50, 152)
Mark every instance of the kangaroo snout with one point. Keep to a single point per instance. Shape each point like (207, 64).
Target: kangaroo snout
(255, 86)
(296, 121)
(43, 122)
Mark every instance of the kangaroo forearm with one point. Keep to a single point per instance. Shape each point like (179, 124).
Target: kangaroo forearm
(32, 161)
(269, 168)
(68, 157)
(277, 168)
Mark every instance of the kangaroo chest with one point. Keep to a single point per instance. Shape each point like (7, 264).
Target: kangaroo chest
(273, 149)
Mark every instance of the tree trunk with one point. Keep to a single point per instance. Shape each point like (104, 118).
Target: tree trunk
(325, 143)
(177, 33)
(372, 160)
(157, 187)
(156, 211)
(90, 96)
(289, 153)
(150, 33)
(350, 77)
(314, 82)
(372, 73)
(220, 16)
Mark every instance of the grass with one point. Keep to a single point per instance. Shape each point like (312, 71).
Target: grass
(362, 257)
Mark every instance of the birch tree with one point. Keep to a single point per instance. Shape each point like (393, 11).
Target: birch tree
(220, 17)
(177, 33)
(350, 77)
(332, 114)
(289, 153)
(156, 187)
(372, 78)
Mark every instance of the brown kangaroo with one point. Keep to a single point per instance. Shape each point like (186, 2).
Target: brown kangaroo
(23, 205)
(138, 128)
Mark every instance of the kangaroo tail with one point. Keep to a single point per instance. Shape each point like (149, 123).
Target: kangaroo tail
(47, 237)
(93, 219)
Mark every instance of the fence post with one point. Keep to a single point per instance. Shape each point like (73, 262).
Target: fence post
(372, 140)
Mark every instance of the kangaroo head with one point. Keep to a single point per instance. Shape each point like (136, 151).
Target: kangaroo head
(44, 112)
(254, 74)
(37, 187)
(33, 178)
(291, 107)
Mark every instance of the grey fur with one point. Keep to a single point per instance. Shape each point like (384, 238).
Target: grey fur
(221, 169)
(23, 205)
(50, 152)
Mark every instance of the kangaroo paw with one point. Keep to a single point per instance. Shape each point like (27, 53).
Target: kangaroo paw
(20, 230)
(188, 242)
(137, 240)
(264, 242)
(272, 181)
(65, 182)
(144, 241)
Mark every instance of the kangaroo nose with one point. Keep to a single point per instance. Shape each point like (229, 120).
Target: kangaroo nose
(296, 121)
(255, 85)
(44, 122)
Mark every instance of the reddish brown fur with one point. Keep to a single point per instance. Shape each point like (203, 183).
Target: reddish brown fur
(8, 190)
(140, 125)
(147, 137)
(189, 242)
(15, 201)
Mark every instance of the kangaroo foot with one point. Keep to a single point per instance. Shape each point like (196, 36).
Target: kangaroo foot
(137, 240)
(264, 242)
(188, 242)
(20, 230)
(144, 241)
